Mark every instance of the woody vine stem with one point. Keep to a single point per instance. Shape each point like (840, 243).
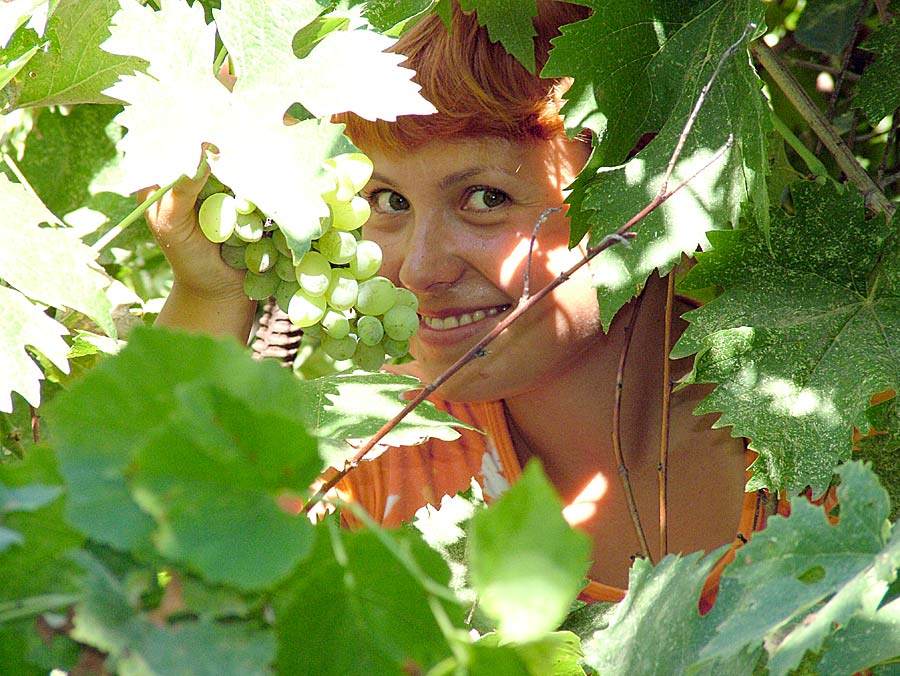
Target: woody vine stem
(622, 235)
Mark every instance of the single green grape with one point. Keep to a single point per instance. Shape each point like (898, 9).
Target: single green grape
(217, 217)
(376, 296)
(369, 330)
(400, 322)
(337, 246)
(261, 255)
(343, 291)
(369, 357)
(339, 348)
(249, 227)
(233, 255)
(336, 324)
(259, 287)
(281, 243)
(243, 206)
(350, 215)
(284, 266)
(367, 260)
(286, 289)
(406, 298)
(394, 348)
(314, 273)
(304, 309)
(350, 173)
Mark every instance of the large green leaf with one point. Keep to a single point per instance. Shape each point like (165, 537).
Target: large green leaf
(882, 448)
(792, 323)
(866, 640)
(211, 478)
(49, 265)
(662, 601)
(126, 409)
(878, 90)
(74, 69)
(639, 68)
(104, 618)
(24, 325)
(71, 161)
(526, 564)
(509, 23)
(827, 25)
(360, 606)
(797, 581)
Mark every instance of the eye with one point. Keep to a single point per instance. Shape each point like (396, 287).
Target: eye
(388, 201)
(485, 199)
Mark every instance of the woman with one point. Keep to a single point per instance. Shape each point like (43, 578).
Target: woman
(455, 197)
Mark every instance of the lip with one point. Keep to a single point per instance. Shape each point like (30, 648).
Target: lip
(453, 324)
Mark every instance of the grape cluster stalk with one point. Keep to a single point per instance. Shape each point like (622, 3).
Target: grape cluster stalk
(334, 290)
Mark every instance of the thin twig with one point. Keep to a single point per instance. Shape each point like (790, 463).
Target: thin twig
(663, 468)
(620, 236)
(617, 431)
(526, 280)
(35, 424)
(875, 198)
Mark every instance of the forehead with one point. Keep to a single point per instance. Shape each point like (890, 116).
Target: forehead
(449, 161)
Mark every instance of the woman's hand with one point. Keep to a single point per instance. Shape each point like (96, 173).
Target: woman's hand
(207, 295)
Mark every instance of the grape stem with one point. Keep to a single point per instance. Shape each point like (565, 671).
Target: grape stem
(621, 236)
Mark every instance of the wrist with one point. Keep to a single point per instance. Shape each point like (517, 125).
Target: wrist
(217, 312)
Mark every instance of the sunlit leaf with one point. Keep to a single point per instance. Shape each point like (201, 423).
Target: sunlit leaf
(793, 320)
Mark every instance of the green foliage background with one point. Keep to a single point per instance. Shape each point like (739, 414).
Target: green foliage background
(143, 473)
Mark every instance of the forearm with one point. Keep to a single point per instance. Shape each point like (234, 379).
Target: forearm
(216, 317)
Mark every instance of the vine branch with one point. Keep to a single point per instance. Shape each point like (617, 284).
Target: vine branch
(617, 431)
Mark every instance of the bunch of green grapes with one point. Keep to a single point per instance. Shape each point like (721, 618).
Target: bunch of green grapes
(334, 291)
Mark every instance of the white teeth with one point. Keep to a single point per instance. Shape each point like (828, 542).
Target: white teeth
(452, 322)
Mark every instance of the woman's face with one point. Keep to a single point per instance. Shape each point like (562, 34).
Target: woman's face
(455, 220)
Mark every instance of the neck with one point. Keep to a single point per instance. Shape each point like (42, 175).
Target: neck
(572, 436)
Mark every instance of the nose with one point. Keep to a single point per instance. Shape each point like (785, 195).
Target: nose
(430, 261)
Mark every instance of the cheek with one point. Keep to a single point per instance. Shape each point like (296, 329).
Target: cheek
(391, 251)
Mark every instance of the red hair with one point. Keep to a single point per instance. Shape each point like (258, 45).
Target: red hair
(477, 87)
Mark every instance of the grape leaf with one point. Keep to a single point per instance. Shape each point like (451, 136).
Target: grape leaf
(112, 415)
(15, 14)
(356, 405)
(71, 161)
(555, 654)
(666, 595)
(49, 265)
(105, 619)
(526, 564)
(212, 477)
(827, 25)
(360, 606)
(638, 71)
(866, 640)
(878, 90)
(793, 320)
(179, 104)
(788, 570)
(24, 324)
(392, 17)
(508, 22)
(74, 69)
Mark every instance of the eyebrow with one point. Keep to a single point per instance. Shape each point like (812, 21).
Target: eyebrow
(459, 176)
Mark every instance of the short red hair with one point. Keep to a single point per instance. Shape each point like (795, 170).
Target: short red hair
(477, 87)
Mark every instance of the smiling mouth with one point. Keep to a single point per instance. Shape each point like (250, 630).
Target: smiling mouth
(455, 321)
